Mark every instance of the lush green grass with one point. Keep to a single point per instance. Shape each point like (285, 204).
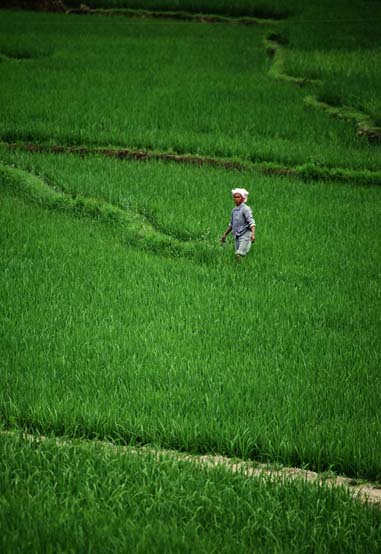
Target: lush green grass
(123, 318)
(87, 498)
(335, 42)
(277, 359)
(150, 84)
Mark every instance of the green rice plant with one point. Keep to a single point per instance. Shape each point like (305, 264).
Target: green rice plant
(364, 124)
(82, 497)
(305, 172)
(169, 96)
(275, 360)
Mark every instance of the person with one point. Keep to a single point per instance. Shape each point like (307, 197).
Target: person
(242, 224)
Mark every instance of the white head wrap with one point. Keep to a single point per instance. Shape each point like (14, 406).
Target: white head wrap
(243, 192)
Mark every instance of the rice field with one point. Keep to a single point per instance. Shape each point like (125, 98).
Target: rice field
(123, 319)
(304, 292)
(168, 94)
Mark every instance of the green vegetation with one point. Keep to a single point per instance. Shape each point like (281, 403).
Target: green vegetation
(149, 84)
(144, 333)
(136, 230)
(84, 498)
(344, 56)
(307, 172)
(123, 318)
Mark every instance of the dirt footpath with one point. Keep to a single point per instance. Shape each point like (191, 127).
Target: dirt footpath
(364, 491)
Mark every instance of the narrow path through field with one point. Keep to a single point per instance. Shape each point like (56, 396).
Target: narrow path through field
(364, 491)
(262, 17)
(6, 58)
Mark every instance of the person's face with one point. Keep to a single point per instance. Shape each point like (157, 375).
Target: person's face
(238, 199)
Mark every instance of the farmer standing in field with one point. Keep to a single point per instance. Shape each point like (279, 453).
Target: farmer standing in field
(242, 224)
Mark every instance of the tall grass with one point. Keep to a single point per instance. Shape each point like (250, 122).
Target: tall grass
(182, 87)
(277, 359)
(85, 498)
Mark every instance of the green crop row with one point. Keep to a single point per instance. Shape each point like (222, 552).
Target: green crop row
(348, 76)
(113, 326)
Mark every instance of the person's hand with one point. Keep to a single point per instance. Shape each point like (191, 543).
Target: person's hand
(223, 239)
(252, 238)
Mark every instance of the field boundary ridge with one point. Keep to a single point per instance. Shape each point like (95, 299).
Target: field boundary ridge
(179, 15)
(277, 52)
(6, 58)
(363, 122)
(364, 491)
(18, 58)
(365, 125)
(305, 172)
(136, 230)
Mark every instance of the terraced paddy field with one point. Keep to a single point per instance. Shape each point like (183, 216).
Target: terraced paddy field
(124, 320)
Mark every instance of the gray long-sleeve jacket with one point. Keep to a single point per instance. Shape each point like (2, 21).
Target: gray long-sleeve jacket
(241, 220)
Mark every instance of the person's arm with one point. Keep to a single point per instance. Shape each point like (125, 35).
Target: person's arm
(228, 230)
(248, 214)
(252, 229)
